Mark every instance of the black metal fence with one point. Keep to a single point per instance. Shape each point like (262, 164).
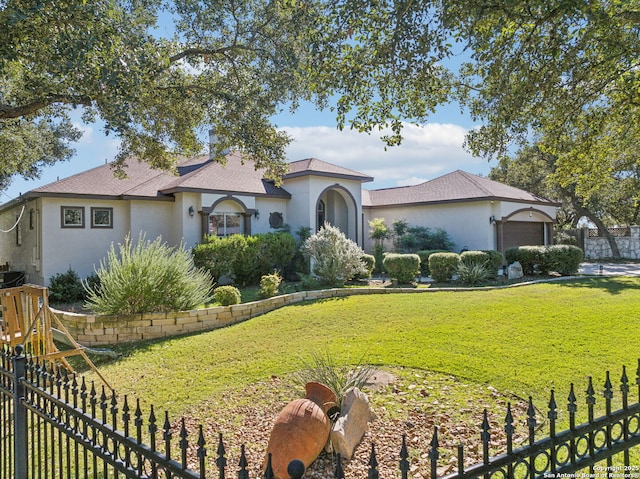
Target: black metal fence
(52, 426)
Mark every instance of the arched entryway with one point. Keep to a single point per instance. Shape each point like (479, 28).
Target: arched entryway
(337, 206)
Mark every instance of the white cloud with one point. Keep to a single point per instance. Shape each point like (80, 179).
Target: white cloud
(426, 152)
(87, 132)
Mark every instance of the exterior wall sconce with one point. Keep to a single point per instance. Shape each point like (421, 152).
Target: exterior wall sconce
(191, 211)
(492, 220)
(256, 214)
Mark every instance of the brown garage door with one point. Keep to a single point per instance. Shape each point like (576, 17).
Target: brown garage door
(522, 233)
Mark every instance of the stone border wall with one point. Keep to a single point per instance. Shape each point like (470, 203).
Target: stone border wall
(98, 330)
(598, 247)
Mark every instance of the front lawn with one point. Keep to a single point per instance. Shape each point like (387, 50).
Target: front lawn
(522, 341)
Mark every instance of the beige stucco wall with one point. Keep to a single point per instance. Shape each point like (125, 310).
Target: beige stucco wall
(467, 223)
(343, 199)
(26, 255)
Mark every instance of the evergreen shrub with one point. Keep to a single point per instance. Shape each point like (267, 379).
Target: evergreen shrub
(443, 266)
(564, 259)
(530, 257)
(424, 259)
(66, 287)
(148, 277)
(491, 260)
(227, 295)
(402, 267)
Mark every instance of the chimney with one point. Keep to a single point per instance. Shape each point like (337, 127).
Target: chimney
(213, 140)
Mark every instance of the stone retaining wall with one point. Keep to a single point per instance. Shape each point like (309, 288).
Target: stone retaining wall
(97, 330)
(598, 247)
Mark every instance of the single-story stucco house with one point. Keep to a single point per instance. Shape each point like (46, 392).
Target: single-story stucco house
(71, 223)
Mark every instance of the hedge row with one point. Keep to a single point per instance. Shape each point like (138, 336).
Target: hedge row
(561, 258)
(245, 259)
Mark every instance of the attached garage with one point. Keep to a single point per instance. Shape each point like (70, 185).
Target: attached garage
(521, 233)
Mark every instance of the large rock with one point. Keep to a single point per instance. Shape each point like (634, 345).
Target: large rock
(352, 424)
(514, 270)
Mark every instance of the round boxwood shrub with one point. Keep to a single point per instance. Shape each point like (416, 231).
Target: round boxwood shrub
(443, 266)
(403, 267)
(369, 263)
(227, 295)
(424, 259)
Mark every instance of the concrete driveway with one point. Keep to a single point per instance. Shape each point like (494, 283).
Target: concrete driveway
(610, 269)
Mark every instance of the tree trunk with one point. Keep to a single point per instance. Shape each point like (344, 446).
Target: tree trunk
(615, 252)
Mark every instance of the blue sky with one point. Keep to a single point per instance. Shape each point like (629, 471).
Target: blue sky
(427, 151)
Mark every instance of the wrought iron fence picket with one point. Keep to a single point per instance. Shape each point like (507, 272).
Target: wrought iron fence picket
(72, 430)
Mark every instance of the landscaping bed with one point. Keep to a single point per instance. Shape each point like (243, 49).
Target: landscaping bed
(411, 405)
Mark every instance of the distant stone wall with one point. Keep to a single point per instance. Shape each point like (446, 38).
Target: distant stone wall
(97, 330)
(598, 247)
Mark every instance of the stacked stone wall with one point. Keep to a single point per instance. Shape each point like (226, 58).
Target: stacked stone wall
(598, 247)
(98, 330)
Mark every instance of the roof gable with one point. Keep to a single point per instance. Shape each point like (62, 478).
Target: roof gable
(456, 186)
(314, 166)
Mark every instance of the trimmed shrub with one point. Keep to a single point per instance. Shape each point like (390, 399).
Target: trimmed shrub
(245, 259)
(491, 260)
(469, 258)
(473, 274)
(246, 262)
(424, 259)
(276, 251)
(335, 258)
(496, 260)
(148, 277)
(369, 264)
(227, 295)
(269, 285)
(66, 287)
(216, 255)
(529, 257)
(443, 266)
(403, 267)
(564, 259)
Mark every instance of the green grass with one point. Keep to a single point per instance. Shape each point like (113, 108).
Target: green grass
(524, 341)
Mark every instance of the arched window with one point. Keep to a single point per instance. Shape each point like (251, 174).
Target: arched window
(224, 223)
(321, 214)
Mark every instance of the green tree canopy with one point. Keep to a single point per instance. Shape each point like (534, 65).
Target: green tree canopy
(549, 67)
(229, 66)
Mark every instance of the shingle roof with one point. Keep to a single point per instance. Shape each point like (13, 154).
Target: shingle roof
(456, 186)
(314, 166)
(193, 174)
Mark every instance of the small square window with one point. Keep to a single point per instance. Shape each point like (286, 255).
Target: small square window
(72, 216)
(102, 217)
